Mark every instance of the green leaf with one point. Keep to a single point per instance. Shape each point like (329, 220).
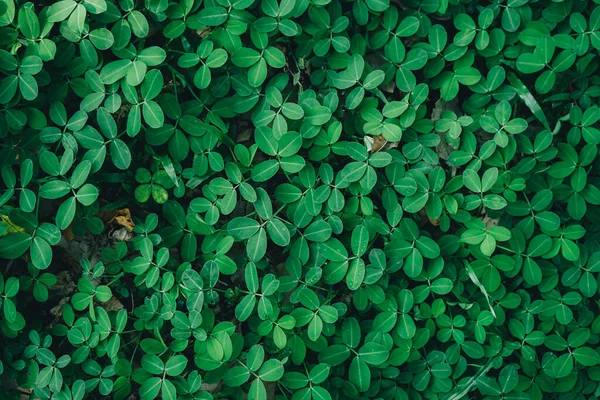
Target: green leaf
(28, 86)
(373, 353)
(153, 364)
(168, 391)
(138, 23)
(61, 10)
(152, 56)
(472, 181)
(242, 228)
(245, 307)
(563, 365)
(152, 346)
(586, 356)
(87, 194)
(360, 240)
(103, 294)
(528, 99)
(360, 374)
(176, 365)
(153, 114)
(271, 371)
(66, 213)
(114, 71)
(41, 253)
(442, 286)
(120, 154)
(136, 73)
(413, 265)
(14, 245)
(28, 23)
(488, 386)
(212, 16)
(265, 170)
(101, 38)
(236, 376)
(356, 274)
(278, 232)
(150, 388)
(256, 247)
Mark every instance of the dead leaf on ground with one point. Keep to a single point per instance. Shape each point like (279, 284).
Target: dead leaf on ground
(244, 135)
(489, 222)
(113, 304)
(68, 234)
(390, 87)
(443, 149)
(379, 143)
(120, 235)
(120, 217)
(57, 310)
(204, 32)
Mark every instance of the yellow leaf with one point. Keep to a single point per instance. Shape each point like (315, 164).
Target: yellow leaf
(120, 217)
(11, 227)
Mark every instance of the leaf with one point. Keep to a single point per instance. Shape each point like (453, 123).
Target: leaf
(236, 376)
(442, 286)
(153, 364)
(271, 371)
(245, 307)
(360, 240)
(120, 154)
(212, 16)
(360, 374)
(414, 263)
(472, 181)
(28, 86)
(59, 11)
(41, 253)
(138, 23)
(152, 346)
(257, 390)
(242, 228)
(66, 213)
(102, 38)
(373, 353)
(334, 250)
(11, 287)
(14, 245)
(28, 23)
(265, 170)
(150, 388)
(278, 232)
(8, 88)
(488, 386)
(528, 99)
(153, 114)
(563, 365)
(256, 247)
(168, 391)
(136, 73)
(87, 194)
(114, 71)
(176, 365)
(586, 356)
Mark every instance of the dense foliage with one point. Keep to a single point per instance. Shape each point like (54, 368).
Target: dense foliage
(299, 199)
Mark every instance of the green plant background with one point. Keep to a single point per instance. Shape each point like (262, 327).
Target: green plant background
(299, 199)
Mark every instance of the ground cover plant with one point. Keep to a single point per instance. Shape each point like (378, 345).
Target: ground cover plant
(325, 199)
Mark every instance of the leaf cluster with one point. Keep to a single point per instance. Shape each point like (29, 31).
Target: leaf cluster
(294, 199)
